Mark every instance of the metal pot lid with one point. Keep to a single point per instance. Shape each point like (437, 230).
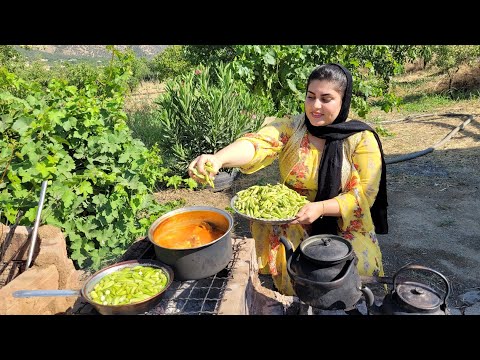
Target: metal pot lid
(418, 295)
(326, 248)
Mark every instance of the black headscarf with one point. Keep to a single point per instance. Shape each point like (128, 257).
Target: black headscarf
(329, 174)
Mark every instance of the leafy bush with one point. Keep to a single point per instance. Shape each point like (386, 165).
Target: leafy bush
(209, 55)
(80, 74)
(280, 72)
(140, 71)
(76, 74)
(204, 111)
(36, 71)
(449, 58)
(170, 63)
(100, 178)
(10, 57)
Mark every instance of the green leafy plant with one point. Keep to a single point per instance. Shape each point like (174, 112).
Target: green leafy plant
(380, 130)
(449, 58)
(169, 63)
(204, 111)
(280, 72)
(100, 178)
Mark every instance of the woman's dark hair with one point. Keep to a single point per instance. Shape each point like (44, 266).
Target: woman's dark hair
(332, 73)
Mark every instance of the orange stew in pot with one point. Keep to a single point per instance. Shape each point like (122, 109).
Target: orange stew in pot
(190, 229)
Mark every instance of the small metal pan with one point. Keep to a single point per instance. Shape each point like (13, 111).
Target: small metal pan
(127, 309)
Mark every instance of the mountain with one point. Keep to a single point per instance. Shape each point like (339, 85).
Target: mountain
(88, 51)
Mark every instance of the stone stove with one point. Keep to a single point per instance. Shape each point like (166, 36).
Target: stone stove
(236, 290)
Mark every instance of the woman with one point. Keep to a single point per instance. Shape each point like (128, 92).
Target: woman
(337, 164)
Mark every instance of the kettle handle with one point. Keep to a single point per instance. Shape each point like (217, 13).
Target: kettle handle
(420, 267)
(288, 247)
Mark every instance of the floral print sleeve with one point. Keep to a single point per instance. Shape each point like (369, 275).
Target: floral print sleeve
(361, 189)
(268, 142)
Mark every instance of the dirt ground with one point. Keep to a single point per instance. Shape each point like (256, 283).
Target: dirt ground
(434, 200)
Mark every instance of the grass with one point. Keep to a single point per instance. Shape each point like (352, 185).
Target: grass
(418, 103)
(426, 91)
(409, 85)
(144, 126)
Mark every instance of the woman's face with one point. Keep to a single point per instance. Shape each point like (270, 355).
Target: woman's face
(323, 102)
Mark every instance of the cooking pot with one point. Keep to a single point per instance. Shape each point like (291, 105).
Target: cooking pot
(126, 309)
(201, 261)
(323, 272)
(410, 297)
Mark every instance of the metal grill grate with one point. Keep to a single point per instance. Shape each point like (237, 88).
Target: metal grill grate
(192, 297)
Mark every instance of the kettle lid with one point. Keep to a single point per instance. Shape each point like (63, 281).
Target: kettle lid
(326, 248)
(418, 295)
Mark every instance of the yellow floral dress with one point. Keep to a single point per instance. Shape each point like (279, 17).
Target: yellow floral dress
(360, 182)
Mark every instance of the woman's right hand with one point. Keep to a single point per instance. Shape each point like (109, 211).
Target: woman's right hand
(199, 164)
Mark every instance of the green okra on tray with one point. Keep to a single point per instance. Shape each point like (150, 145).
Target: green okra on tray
(269, 202)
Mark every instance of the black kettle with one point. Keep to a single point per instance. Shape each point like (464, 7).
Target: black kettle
(410, 297)
(323, 272)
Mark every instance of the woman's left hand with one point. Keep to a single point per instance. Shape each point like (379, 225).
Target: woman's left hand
(309, 213)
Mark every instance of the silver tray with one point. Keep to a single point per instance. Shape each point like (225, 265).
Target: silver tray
(260, 220)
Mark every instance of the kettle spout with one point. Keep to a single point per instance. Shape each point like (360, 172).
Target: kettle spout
(288, 247)
(370, 300)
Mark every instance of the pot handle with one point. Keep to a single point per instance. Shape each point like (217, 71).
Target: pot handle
(420, 267)
(44, 293)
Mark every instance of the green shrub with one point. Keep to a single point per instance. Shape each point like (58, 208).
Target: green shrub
(209, 55)
(140, 71)
(10, 57)
(35, 71)
(169, 63)
(76, 74)
(80, 74)
(204, 111)
(100, 178)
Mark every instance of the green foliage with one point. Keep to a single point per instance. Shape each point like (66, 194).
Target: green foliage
(36, 71)
(76, 74)
(169, 63)
(281, 71)
(79, 74)
(204, 111)
(140, 71)
(209, 55)
(144, 126)
(100, 178)
(449, 58)
(381, 131)
(425, 52)
(9, 57)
